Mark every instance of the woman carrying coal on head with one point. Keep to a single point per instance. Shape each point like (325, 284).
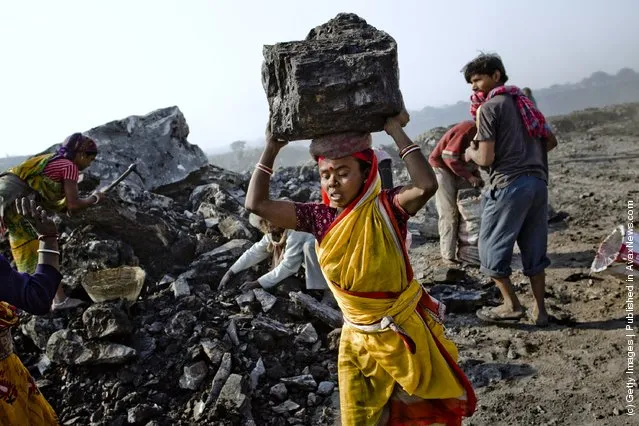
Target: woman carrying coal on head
(53, 179)
(395, 364)
(21, 403)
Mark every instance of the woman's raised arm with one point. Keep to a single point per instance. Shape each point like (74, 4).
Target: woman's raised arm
(279, 213)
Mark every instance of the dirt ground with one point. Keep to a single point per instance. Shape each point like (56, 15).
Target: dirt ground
(573, 372)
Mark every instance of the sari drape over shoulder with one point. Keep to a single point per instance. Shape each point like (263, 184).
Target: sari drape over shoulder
(395, 364)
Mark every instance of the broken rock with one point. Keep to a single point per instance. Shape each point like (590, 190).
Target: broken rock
(142, 413)
(307, 334)
(266, 299)
(232, 399)
(304, 382)
(193, 376)
(279, 391)
(39, 329)
(68, 347)
(103, 320)
(325, 388)
(343, 78)
(286, 407)
(156, 141)
(235, 228)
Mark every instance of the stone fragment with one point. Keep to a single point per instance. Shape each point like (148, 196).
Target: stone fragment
(105, 320)
(193, 376)
(343, 78)
(266, 299)
(304, 382)
(307, 334)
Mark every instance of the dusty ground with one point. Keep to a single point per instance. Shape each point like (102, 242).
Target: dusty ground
(572, 373)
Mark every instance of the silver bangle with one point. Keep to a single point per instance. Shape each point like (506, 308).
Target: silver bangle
(49, 251)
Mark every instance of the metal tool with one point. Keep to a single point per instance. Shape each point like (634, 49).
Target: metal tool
(131, 169)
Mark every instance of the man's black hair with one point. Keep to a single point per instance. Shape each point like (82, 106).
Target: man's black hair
(485, 64)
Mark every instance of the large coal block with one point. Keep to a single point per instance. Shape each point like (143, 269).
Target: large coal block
(343, 78)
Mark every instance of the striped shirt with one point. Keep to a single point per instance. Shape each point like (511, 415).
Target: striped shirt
(61, 169)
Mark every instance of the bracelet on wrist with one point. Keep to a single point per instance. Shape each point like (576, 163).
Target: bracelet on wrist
(43, 237)
(263, 168)
(56, 252)
(410, 149)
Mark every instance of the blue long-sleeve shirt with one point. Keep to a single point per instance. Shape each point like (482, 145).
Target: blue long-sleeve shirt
(31, 293)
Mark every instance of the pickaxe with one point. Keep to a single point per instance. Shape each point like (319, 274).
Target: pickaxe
(132, 169)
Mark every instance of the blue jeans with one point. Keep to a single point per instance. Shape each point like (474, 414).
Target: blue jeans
(518, 212)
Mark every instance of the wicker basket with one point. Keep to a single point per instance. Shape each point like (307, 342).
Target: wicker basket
(124, 282)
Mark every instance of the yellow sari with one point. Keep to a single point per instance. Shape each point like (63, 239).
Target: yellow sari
(23, 239)
(21, 403)
(395, 365)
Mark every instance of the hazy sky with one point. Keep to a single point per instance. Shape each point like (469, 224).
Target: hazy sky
(71, 65)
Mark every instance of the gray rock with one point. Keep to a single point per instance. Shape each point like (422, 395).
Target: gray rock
(43, 363)
(193, 376)
(181, 287)
(181, 325)
(266, 299)
(156, 142)
(141, 198)
(68, 347)
(106, 320)
(144, 344)
(325, 388)
(333, 339)
(286, 407)
(459, 299)
(344, 77)
(198, 410)
(245, 299)
(221, 376)
(311, 400)
(235, 228)
(142, 413)
(39, 329)
(304, 382)
(256, 373)
(231, 331)
(307, 334)
(272, 326)
(279, 391)
(208, 211)
(216, 262)
(214, 350)
(492, 374)
(232, 399)
(211, 222)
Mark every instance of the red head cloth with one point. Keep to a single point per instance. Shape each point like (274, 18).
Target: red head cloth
(340, 145)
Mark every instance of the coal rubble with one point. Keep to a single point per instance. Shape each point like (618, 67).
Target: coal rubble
(180, 352)
(183, 352)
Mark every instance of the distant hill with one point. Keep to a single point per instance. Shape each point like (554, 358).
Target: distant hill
(596, 91)
(244, 157)
(8, 162)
